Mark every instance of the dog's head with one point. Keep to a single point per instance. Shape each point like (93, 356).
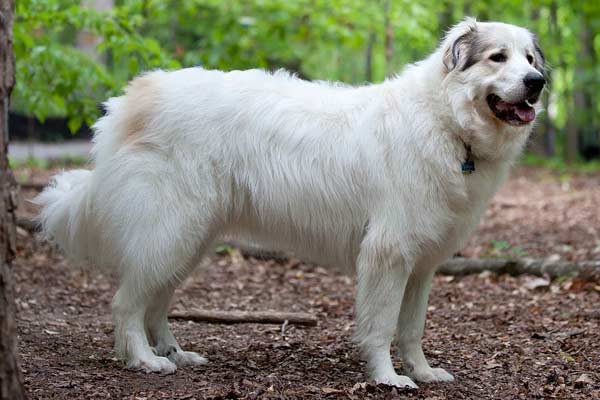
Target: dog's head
(494, 75)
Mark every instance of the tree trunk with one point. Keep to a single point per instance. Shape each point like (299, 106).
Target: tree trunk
(576, 108)
(88, 41)
(586, 120)
(10, 374)
(580, 125)
(389, 39)
(543, 137)
(445, 19)
(572, 131)
(549, 130)
(369, 57)
(467, 8)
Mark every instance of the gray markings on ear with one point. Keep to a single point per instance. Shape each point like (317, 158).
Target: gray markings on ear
(540, 59)
(475, 52)
(457, 54)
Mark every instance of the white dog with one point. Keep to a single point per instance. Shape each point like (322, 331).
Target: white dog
(373, 179)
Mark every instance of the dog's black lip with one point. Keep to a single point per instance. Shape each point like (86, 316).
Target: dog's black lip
(509, 117)
(533, 99)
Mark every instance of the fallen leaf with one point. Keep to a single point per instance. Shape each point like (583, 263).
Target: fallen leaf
(492, 365)
(537, 283)
(537, 335)
(566, 357)
(584, 379)
(358, 386)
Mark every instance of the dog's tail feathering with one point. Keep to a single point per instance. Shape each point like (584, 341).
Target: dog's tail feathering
(65, 217)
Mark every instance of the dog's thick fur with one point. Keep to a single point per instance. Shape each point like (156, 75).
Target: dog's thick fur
(362, 178)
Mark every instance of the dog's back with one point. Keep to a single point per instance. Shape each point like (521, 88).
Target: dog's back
(192, 150)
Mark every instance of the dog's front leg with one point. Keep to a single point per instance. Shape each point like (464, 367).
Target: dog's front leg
(379, 297)
(410, 330)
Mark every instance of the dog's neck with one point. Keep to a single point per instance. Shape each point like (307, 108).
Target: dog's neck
(448, 107)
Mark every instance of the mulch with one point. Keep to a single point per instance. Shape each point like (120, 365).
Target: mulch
(502, 337)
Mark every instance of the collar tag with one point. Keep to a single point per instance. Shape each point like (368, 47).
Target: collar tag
(468, 166)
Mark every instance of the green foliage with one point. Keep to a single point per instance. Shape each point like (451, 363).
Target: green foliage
(302, 35)
(56, 79)
(558, 165)
(502, 249)
(223, 249)
(318, 39)
(44, 163)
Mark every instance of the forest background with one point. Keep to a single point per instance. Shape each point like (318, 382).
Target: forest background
(72, 54)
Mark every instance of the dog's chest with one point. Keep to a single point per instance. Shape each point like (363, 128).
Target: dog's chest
(479, 187)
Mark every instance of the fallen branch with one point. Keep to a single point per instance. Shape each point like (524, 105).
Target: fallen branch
(39, 186)
(259, 253)
(554, 269)
(28, 224)
(241, 317)
(588, 270)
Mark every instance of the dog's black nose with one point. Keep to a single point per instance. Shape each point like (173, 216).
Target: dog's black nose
(534, 82)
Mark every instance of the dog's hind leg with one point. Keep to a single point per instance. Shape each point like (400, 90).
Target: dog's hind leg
(141, 304)
(140, 310)
(380, 290)
(162, 339)
(131, 343)
(158, 253)
(410, 330)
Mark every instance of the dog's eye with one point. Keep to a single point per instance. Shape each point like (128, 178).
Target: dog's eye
(498, 57)
(530, 58)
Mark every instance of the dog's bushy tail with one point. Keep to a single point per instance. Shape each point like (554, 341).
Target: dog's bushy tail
(66, 217)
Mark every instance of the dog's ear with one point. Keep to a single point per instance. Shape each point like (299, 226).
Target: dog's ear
(540, 59)
(457, 44)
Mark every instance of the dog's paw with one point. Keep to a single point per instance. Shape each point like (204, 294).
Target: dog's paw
(187, 358)
(400, 381)
(160, 365)
(431, 375)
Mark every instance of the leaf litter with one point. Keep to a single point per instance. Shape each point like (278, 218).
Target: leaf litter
(501, 336)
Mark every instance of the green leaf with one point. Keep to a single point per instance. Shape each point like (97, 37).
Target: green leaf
(75, 123)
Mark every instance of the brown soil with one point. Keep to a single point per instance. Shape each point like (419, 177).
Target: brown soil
(500, 337)
(540, 214)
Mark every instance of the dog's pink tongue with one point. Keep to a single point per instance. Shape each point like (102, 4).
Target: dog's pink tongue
(526, 114)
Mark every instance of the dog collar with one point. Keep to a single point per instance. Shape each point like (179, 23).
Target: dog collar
(468, 166)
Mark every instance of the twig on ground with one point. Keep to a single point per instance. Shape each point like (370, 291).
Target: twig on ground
(239, 317)
(28, 224)
(283, 327)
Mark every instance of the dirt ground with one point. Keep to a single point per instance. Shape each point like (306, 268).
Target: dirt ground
(502, 337)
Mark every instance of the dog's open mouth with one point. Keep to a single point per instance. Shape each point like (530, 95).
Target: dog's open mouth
(515, 114)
